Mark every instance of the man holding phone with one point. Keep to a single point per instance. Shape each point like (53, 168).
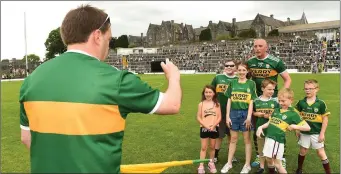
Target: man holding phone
(73, 107)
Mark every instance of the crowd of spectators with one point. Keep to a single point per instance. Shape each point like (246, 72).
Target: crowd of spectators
(303, 54)
(298, 53)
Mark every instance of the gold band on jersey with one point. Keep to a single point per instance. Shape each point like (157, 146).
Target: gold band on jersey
(311, 117)
(73, 118)
(263, 73)
(241, 97)
(279, 123)
(265, 110)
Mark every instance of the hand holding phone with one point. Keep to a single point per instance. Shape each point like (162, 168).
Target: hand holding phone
(171, 71)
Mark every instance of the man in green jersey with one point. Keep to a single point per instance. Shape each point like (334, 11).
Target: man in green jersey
(314, 111)
(282, 119)
(220, 82)
(262, 66)
(73, 107)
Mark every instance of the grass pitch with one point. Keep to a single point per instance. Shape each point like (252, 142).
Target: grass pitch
(152, 138)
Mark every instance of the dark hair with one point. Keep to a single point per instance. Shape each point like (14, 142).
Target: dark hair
(214, 99)
(267, 81)
(230, 60)
(79, 23)
(243, 63)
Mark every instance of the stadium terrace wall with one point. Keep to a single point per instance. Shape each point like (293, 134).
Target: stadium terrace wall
(292, 71)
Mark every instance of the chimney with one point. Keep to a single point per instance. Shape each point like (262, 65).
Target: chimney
(182, 24)
(210, 22)
(172, 21)
(233, 21)
(272, 16)
(141, 35)
(288, 19)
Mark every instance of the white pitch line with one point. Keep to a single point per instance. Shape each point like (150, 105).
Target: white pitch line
(160, 85)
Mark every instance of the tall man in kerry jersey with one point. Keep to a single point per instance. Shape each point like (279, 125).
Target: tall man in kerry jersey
(263, 65)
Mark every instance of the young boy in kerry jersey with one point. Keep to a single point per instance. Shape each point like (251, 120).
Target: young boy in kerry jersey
(263, 107)
(282, 119)
(314, 111)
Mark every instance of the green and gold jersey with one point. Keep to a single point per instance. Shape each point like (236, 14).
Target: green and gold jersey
(241, 94)
(268, 67)
(266, 107)
(279, 122)
(75, 107)
(220, 82)
(312, 114)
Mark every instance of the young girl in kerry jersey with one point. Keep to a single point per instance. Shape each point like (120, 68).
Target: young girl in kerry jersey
(241, 93)
(209, 116)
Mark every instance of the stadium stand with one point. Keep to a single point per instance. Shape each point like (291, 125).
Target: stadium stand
(298, 53)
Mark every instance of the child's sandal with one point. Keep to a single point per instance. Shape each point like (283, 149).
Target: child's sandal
(201, 170)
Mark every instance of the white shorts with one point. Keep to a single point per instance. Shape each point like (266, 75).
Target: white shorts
(273, 149)
(307, 140)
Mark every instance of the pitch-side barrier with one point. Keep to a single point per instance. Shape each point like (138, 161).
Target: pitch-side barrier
(291, 71)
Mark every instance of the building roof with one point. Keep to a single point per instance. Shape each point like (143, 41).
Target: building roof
(154, 27)
(189, 28)
(225, 25)
(197, 31)
(244, 25)
(271, 21)
(309, 27)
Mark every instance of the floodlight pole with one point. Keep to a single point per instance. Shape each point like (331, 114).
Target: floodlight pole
(25, 43)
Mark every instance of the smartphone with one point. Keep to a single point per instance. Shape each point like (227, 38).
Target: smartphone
(156, 65)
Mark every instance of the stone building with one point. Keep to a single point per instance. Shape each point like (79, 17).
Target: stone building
(138, 41)
(264, 24)
(223, 28)
(171, 33)
(327, 29)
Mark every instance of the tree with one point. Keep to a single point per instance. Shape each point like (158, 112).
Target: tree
(205, 35)
(223, 37)
(122, 42)
(112, 43)
(273, 32)
(4, 61)
(250, 33)
(31, 58)
(131, 46)
(54, 44)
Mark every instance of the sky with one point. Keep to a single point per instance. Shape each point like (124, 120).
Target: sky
(133, 17)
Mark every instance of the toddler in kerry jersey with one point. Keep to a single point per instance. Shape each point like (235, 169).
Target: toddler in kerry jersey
(209, 116)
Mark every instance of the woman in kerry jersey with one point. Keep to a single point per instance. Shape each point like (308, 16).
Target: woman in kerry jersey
(241, 93)
(208, 116)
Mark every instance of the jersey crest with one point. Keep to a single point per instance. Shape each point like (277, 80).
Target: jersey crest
(316, 110)
(284, 117)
